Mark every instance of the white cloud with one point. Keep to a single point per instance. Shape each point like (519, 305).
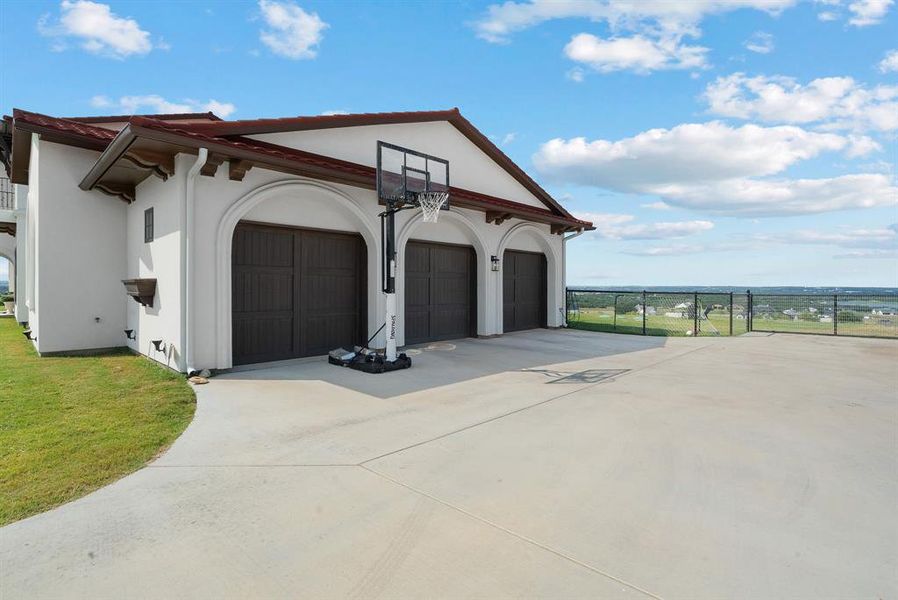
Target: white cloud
(293, 33)
(760, 42)
(509, 138)
(875, 242)
(748, 197)
(99, 30)
(868, 254)
(719, 169)
(672, 250)
(622, 227)
(331, 113)
(155, 104)
(646, 35)
(693, 151)
(576, 75)
(889, 64)
(861, 13)
(502, 20)
(833, 102)
(656, 205)
(869, 238)
(868, 12)
(637, 53)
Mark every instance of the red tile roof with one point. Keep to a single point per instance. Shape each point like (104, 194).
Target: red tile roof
(211, 134)
(212, 117)
(21, 117)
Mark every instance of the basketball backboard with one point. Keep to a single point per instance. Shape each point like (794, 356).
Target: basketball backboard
(402, 174)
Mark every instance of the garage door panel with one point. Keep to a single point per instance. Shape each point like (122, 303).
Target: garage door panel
(258, 339)
(322, 332)
(295, 292)
(523, 290)
(452, 289)
(255, 291)
(450, 323)
(330, 293)
(439, 292)
(269, 248)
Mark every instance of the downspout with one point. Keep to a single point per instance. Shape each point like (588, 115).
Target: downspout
(187, 259)
(564, 241)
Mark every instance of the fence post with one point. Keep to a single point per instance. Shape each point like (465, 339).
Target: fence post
(644, 307)
(695, 313)
(835, 314)
(614, 323)
(750, 303)
(731, 314)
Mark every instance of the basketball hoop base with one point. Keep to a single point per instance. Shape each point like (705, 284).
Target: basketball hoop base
(371, 362)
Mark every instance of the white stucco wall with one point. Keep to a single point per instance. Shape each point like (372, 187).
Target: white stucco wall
(159, 260)
(80, 245)
(79, 255)
(271, 197)
(469, 167)
(32, 214)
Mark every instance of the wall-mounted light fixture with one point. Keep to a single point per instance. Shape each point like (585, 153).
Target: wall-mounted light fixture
(27, 334)
(129, 333)
(24, 324)
(494, 260)
(160, 347)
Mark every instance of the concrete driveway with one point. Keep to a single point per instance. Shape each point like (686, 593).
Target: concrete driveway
(553, 464)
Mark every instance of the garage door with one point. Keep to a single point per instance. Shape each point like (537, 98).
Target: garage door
(440, 292)
(523, 290)
(295, 292)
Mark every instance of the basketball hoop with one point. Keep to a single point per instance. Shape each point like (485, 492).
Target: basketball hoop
(430, 204)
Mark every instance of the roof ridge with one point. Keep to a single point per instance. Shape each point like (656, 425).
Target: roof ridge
(323, 118)
(163, 116)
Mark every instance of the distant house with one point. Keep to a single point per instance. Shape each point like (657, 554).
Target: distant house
(649, 310)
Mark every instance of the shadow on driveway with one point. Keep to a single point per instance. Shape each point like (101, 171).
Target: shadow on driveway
(446, 363)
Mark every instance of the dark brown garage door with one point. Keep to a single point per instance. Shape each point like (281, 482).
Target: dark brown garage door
(523, 290)
(440, 292)
(295, 292)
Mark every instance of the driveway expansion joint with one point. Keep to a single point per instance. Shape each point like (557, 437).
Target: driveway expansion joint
(514, 534)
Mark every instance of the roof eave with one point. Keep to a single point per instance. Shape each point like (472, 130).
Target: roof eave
(113, 152)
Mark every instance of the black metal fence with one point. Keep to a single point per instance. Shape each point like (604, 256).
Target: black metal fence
(725, 314)
(863, 315)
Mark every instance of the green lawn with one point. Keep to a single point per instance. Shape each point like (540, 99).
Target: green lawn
(71, 425)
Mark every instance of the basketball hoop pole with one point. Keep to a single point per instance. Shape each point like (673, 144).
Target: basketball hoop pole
(388, 243)
(406, 179)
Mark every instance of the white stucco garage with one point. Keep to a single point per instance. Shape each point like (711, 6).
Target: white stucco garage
(160, 200)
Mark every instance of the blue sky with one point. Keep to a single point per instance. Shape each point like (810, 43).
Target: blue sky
(739, 142)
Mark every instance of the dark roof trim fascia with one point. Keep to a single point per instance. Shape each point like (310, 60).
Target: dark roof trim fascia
(113, 152)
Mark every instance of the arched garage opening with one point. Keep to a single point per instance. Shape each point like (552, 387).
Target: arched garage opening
(292, 257)
(442, 281)
(531, 273)
(8, 255)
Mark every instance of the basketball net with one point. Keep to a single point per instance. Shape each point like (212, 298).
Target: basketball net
(430, 204)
